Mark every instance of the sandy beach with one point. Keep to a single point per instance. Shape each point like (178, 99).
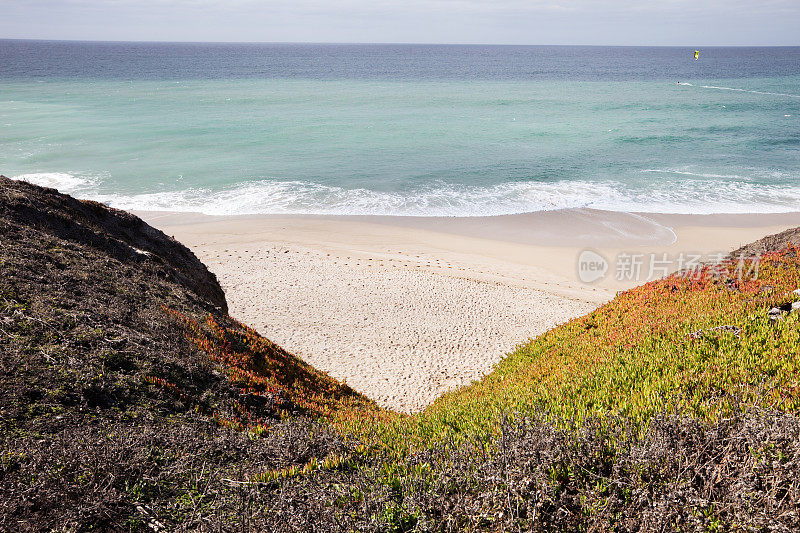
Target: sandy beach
(406, 308)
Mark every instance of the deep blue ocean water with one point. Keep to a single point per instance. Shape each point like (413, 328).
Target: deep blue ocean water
(404, 129)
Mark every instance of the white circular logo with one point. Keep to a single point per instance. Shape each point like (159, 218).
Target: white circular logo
(591, 266)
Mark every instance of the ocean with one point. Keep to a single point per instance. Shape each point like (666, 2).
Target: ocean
(403, 129)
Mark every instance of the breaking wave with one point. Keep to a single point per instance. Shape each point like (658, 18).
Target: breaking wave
(676, 191)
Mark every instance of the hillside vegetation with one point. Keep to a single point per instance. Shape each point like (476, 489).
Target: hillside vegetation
(131, 401)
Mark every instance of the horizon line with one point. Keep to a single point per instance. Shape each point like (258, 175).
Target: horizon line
(388, 43)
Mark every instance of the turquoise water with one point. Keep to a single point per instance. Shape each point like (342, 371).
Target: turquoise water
(456, 146)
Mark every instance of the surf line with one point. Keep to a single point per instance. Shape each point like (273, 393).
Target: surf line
(739, 90)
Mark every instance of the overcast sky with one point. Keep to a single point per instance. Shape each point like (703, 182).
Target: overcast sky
(604, 22)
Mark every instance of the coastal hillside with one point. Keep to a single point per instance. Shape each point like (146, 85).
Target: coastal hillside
(778, 241)
(132, 402)
(122, 377)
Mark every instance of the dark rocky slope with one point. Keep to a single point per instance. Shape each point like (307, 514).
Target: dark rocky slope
(111, 232)
(777, 241)
(87, 302)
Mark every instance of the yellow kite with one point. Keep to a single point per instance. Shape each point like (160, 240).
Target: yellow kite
(696, 55)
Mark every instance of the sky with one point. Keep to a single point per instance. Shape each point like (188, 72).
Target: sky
(588, 22)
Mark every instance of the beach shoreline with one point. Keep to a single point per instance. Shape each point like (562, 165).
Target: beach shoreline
(405, 308)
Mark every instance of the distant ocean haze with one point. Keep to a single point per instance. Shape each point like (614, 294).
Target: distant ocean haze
(404, 130)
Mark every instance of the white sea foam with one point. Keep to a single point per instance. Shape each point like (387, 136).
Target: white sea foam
(282, 197)
(681, 191)
(296, 197)
(63, 181)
